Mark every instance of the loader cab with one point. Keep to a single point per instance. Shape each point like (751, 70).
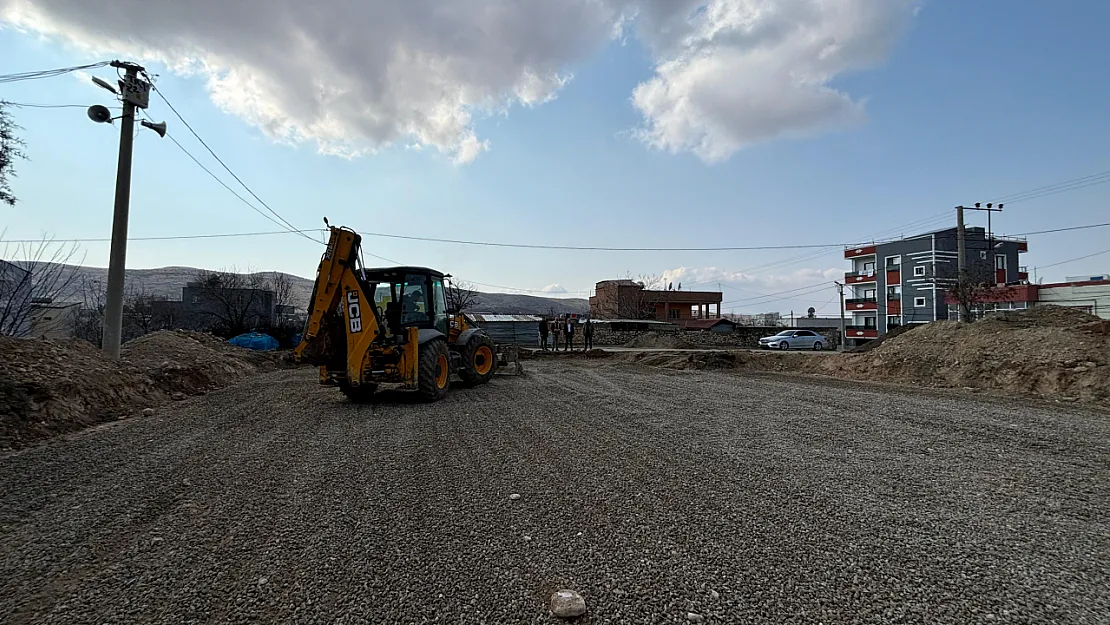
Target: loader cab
(407, 297)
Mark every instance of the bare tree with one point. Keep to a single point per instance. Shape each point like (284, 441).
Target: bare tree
(89, 323)
(11, 150)
(138, 312)
(461, 296)
(232, 302)
(33, 272)
(972, 293)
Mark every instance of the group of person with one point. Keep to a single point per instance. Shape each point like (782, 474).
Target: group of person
(565, 327)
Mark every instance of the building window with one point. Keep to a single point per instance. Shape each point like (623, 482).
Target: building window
(893, 321)
(673, 313)
(919, 271)
(999, 262)
(919, 302)
(894, 292)
(869, 294)
(869, 323)
(893, 262)
(869, 267)
(983, 254)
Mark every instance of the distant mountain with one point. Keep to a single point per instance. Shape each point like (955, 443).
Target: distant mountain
(167, 282)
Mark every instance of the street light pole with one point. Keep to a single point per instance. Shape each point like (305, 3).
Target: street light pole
(113, 310)
(843, 337)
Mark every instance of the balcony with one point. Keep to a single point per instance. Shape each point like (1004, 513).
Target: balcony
(859, 277)
(861, 332)
(856, 252)
(861, 303)
(1023, 273)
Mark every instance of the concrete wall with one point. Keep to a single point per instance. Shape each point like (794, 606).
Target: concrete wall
(1094, 298)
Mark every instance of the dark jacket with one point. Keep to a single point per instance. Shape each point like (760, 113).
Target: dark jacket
(543, 327)
(570, 327)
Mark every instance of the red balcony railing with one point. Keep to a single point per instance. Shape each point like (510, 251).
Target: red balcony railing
(855, 252)
(861, 303)
(861, 332)
(858, 277)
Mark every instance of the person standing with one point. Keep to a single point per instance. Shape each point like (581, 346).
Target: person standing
(543, 333)
(556, 329)
(570, 334)
(587, 335)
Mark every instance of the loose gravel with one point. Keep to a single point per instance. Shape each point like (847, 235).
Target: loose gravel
(660, 496)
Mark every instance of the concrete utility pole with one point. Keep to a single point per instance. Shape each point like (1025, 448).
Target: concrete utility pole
(961, 264)
(133, 94)
(843, 337)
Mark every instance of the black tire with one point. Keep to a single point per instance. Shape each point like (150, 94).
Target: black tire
(784, 345)
(479, 358)
(361, 394)
(818, 346)
(435, 370)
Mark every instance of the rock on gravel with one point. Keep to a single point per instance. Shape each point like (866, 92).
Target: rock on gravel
(567, 604)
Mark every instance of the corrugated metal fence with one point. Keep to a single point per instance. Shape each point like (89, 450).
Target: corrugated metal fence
(520, 330)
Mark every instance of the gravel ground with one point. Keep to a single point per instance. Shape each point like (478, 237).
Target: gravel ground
(661, 496)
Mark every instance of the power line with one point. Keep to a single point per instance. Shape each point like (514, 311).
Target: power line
(43, 106)
(48, 73)
(1059, 187)
(819, 285)
(584, 248)
(1025, 234)
(183, 237)
(157, 90)
(1072, 260)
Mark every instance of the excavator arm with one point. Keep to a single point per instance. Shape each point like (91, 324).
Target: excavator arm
(338, 297)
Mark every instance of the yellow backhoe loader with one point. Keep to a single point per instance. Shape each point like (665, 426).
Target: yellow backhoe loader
(388, 326)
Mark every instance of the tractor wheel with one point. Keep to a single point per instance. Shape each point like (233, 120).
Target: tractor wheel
(479, 358)
(361, 394)
(435, 370)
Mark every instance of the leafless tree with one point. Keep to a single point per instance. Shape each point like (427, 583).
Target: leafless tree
(461, 295)
(233, 302)
(33, 272)
(970, 293)
(138, 312)
(11, 150)
(89, 323)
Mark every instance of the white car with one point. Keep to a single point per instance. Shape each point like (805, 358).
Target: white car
(794, 339)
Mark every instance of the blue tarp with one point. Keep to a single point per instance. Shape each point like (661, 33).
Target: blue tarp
(256, 341)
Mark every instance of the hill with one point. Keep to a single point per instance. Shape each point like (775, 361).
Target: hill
(166, 282)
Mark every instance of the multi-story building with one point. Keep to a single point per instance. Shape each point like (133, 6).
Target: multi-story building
(904, 281)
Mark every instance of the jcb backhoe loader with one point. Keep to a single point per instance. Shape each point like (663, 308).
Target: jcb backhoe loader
(387, 326)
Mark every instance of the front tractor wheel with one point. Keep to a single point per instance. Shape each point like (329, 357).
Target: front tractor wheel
(479, 360)
(435, 371)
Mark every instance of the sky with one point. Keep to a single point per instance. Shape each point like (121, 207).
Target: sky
(588, 123)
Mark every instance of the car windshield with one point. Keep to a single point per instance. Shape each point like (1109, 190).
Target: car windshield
(785, 333)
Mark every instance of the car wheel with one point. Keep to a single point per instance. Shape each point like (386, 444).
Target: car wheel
(818, 346)
(784, 345)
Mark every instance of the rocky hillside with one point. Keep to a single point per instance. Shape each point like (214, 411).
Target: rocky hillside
(167, 282)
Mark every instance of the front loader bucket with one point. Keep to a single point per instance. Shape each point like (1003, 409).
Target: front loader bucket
(508, 360)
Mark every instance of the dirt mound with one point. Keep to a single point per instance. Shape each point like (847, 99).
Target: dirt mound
(1047, 351)
(656, 340)
(715, 360)
(49, 387)
(870, 345)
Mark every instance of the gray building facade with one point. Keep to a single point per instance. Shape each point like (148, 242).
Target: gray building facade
(904, 281)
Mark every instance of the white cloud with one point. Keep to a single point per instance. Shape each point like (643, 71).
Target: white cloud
(732, 73)
(356, 77)
(554, 288)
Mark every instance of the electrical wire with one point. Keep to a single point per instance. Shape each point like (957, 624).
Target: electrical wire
(162, 95)
(1059, 187)
(43, 106)
(48, 73)
(1025, 234)
(183, 237)
(1072, 260)
(584, 248)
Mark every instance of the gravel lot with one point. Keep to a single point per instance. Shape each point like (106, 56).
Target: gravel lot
(661, 496)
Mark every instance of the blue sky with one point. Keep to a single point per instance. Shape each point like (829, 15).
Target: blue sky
(969, 102)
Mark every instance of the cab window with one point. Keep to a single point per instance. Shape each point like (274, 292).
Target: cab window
(439, 299)
(414, 300)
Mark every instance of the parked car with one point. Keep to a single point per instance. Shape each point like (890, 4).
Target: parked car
(794, 339)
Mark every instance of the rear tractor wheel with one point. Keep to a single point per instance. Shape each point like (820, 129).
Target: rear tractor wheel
(479, 358)
(435, 371)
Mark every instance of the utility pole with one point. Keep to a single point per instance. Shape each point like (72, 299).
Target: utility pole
(843, 337)
(961, 264)
(134, 94)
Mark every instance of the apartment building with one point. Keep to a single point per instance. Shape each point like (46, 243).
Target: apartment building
(904, 281)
